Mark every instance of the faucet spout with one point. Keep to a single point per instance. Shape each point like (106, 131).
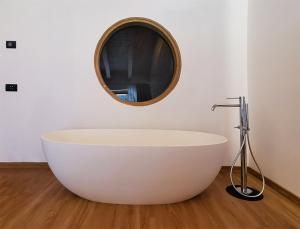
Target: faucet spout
(224, 105)
(214, 107)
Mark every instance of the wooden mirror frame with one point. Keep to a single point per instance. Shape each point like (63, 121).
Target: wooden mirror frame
(154, 26)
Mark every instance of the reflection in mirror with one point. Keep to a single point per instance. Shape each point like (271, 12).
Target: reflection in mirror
(136, 63)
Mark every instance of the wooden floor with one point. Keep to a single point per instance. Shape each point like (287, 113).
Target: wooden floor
(33, 198)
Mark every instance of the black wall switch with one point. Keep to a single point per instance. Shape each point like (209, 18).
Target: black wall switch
(11, 44)
(11, 87)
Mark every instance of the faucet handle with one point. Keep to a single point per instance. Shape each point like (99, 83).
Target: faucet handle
(233, 97)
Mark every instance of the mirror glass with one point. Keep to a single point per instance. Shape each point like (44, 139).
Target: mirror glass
(136, 63)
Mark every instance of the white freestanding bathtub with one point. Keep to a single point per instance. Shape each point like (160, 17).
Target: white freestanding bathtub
(137, 166)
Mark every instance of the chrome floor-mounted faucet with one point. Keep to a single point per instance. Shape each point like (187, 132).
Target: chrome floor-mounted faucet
(243, 191)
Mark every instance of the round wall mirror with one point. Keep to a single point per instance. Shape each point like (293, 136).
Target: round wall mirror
(137, 61)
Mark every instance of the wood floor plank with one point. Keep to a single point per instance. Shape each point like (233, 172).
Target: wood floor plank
(32, 198)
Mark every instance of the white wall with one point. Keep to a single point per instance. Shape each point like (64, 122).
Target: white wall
(274, 88)
(58, 87)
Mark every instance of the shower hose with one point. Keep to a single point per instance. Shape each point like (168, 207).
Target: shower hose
(246, 138)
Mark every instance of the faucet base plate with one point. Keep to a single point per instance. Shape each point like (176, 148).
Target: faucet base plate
(250, 192)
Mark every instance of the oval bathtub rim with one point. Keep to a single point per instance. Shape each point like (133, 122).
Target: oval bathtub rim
(47, 139)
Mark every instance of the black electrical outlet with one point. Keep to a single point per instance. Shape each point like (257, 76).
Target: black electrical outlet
(11, 87)
(11, 44)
